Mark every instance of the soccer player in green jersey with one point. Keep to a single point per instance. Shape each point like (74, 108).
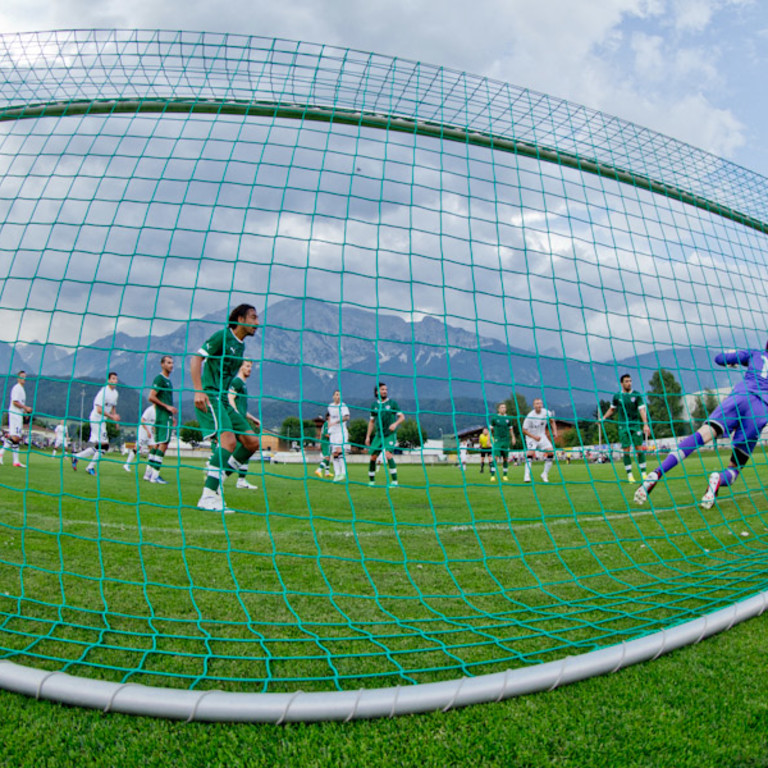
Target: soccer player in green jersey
(503, 440)
(634, 427)
(161, 396)
(238, 399)
(212, 369)
(381, 434)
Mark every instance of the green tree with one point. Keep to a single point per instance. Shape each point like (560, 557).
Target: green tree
(517, 408)
(710, 401)
(411, 434)
(665, 405)
(190, 432)
(699, 413)
(356, 430)
(293, 428)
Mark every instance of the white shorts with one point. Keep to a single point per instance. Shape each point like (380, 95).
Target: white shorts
(15, 424)
(58, 443)
(542, 444)
(143, 446)
(338, 439)
(98, 433)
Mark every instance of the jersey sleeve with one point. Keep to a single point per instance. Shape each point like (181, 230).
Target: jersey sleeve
(214, 345)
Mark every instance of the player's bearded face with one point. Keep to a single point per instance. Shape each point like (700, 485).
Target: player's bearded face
(250, 322)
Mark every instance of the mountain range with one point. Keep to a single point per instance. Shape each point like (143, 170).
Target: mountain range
(306, 349)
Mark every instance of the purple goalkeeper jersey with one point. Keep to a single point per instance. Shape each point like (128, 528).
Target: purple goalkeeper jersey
(755, 380)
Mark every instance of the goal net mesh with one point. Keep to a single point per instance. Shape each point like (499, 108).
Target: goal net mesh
(465, 241)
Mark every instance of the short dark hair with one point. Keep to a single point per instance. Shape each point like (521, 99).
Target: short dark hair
(625, 376)
(111, 374)
(165, 357)
(20, 372)
(241, 310)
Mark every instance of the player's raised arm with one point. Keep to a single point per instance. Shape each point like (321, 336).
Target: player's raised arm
(734, 357)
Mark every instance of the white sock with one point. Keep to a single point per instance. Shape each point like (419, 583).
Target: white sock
(527, 468)
(547, 466)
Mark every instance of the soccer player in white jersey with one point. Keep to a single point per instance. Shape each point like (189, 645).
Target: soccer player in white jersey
(535, 432)
(60, 439)
(16, 410)
(145, 439)
(338, 416)
(104, 410)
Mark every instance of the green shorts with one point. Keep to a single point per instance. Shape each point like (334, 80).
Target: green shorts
(325, 448)
(502, 451)
(631, 435)
(163, 426)
(387, 444)
(221, 417)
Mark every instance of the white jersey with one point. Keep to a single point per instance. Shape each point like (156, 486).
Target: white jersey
(536, 423)
(336, 421)
(106, 399)
(59, 434)
(148, 418)
(20, 396)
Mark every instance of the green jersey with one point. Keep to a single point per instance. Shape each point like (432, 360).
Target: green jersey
(240, 391)
(222, 357)
(500, 426)
(628, 405)
(384, 414)
(164, 389)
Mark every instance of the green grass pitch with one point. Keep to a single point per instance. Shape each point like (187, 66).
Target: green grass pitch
(319, 586)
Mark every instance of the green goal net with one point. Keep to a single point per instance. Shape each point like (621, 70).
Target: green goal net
(468, 243)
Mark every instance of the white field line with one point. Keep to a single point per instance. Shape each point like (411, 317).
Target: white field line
(409, 530)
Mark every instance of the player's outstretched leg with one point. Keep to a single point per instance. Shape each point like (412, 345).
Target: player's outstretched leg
(645, 488)
(716, 481)
(684, 449)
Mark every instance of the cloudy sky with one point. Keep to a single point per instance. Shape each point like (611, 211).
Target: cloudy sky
(687, 68)
(556, 260)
